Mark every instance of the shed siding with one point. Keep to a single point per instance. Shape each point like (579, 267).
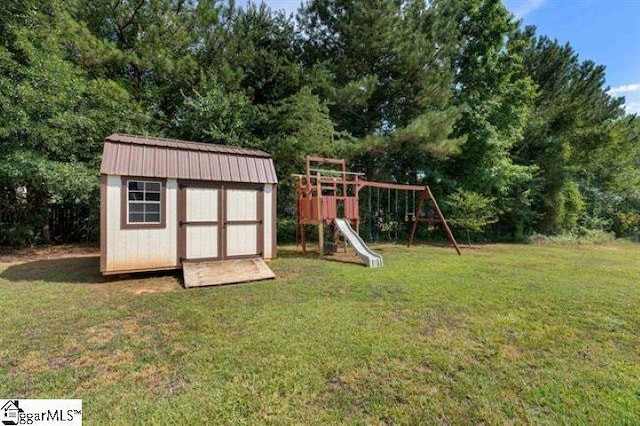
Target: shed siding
(134, 249)
(242, 240)
(202, 204)
(242, 204)
(202, 242)
(269, 217)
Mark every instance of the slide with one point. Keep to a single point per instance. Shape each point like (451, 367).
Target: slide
(372, 259)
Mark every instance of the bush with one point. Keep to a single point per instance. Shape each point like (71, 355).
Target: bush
(581, 236)
(627, 224)
(471, 212)
(17, 235)
(286, 231)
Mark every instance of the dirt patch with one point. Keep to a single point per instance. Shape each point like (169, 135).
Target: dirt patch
(509, 353)
(158, 288)
(163, 379)
(439, 324)
(104, 333)
(111, 359)
(58, 363)
(140, 286)
(100, 335)
(33, 363)
(341, 384)
(348, 257)
(110, 353)
(108, 360)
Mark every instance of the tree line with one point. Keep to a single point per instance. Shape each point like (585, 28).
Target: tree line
(507, 126)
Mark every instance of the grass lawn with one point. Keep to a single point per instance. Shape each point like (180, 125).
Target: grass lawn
(504, 334)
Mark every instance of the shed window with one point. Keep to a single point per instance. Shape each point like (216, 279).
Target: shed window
(144, 202)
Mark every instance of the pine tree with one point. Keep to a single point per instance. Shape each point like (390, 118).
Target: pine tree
(382, 66)
(54, 119)
(571, 123)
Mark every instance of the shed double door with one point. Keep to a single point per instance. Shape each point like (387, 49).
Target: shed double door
(219, 222)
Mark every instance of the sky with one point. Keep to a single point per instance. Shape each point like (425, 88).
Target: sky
(604, 31)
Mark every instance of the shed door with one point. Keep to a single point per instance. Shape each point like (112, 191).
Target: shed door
(243, 222)
(201, 223)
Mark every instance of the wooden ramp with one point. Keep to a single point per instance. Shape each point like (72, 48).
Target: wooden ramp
(198, 274)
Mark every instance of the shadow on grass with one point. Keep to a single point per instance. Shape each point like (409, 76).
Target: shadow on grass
(79, 270)
(312, 253)
(351, 260)
(85, 270)
(292, 253)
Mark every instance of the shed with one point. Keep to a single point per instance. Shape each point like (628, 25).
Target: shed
(165, 203)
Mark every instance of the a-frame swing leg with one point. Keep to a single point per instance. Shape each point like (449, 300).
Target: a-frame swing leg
(416, 216)
(443, 221)
(415, 224)
(424, 195)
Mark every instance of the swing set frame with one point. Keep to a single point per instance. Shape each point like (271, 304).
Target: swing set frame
(323, 195)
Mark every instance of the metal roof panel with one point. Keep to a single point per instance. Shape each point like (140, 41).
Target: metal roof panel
(129, 155)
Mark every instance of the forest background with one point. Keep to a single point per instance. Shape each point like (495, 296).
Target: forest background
(516, 135)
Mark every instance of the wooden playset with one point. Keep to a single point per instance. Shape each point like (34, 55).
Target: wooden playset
(324, 196)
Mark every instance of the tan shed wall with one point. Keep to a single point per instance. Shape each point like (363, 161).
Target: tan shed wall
(139, 249)
(269, 221)
(103, 223)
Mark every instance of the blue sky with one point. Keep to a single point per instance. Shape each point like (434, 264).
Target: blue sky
(605, 31)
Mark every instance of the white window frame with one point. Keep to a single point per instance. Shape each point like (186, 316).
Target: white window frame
(144, 191)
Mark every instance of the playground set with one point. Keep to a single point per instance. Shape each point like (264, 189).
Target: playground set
(210, 210)
(331, 196)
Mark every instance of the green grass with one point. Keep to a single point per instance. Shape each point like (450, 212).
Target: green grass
(504, 334)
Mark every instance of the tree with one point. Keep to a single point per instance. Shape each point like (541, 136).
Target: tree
(211, 114)
(301, 127)
(471, 211)
(494, 94)
(254, 52)
(611, 188)
(420, 148)
(145, 45)
(54, 120)
(569, 132)
(452, 94)
(383, 68)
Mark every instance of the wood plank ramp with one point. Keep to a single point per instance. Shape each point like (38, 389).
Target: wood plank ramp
(198, 274)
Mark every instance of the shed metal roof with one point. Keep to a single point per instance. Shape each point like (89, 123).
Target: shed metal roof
(144, 156)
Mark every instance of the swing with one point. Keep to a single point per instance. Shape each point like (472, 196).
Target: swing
(369, 216)
(397, 219)
(413, 218)
(387, 223)
(406, 207)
